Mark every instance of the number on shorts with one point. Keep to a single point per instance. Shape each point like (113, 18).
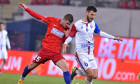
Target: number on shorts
(86, 64)
(37, 58)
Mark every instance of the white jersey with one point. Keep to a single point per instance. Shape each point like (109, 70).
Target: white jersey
(4, 39)
(83, 33)
(3, 42)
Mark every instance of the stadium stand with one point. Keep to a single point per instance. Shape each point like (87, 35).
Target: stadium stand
(4, 1)
(50, 2)
(138, 4)
(123, 4)
(43, 2)
(34, 2)
(132, 4)
(9, 7)
(12, 6)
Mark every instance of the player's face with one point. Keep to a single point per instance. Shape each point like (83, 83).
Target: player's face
(1, 27)
(66, 23)
(90, 15)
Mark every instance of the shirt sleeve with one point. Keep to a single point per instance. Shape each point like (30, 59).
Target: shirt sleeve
(106, 35)
(97, 30)
(64, 38)
(68, 40)
(73, 31)
(34, 14)
(48, 20)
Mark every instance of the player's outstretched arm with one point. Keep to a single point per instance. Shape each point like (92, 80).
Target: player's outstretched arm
(32, 13)
(106, 35)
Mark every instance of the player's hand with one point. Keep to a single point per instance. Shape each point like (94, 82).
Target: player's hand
(67, 32)
(9, 49)
(23, 6)
(118, 39)
(64, 47)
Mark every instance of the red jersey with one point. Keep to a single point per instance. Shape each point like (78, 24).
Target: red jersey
(55, 32)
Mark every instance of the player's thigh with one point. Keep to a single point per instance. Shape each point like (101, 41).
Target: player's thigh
(42, 56)
(4, 54)
(83, 61)
(62, 64)
(94, 68)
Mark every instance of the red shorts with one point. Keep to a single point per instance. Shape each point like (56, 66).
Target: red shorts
(45, 55)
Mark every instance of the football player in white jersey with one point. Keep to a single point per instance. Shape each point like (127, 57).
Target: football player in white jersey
(83, 31)
(3, 42)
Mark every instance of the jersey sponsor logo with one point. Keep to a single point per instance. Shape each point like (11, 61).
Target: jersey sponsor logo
(81, 27)
(57, 32)
(86, 45)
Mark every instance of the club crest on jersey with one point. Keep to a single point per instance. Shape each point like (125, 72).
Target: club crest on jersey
(57, 32)
(91, 26)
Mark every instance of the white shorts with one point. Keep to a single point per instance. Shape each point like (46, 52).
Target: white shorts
(3, 53)
(85, 62)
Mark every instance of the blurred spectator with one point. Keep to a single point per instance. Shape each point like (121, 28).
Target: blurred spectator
(123, 4)
(59, 2)
(4, 1)
(132, 4)
(66, 2)
(138, 4)
(42, 2)
(50, 2)
(34, 2)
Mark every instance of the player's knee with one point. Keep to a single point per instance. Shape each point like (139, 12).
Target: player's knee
(89, 75)
(93, 76)
(65, 68)
(4, 60)
(32, 66)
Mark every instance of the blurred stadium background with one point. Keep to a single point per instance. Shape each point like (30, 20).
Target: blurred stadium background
(118, 62)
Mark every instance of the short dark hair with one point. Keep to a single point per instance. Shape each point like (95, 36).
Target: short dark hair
(91, 8)
(69, 17)
(1, 23)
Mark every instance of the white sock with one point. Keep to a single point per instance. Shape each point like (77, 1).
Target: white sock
(87, 81)
(81, 72)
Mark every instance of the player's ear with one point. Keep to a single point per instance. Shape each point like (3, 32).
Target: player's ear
(63, 19)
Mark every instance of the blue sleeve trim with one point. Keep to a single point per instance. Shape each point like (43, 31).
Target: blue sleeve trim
(97, 30)
(7, 35)
(71, 36)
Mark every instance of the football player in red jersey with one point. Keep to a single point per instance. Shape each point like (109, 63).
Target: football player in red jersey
(58, 30)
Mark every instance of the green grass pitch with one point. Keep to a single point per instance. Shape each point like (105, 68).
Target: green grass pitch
(9, 78)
